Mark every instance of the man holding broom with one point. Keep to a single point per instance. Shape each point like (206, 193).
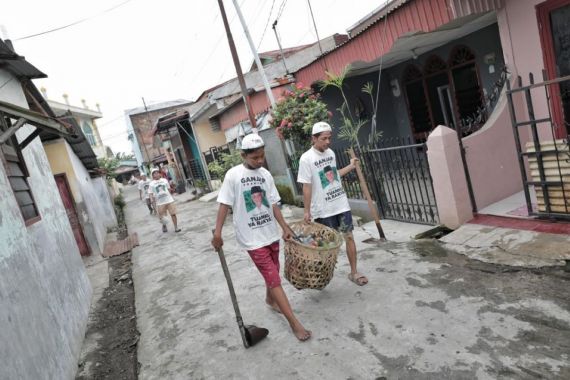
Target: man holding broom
(323, 194)
(249, 190)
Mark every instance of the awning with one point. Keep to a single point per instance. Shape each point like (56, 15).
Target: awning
(169, 121)
(413, 44)
(25, 116)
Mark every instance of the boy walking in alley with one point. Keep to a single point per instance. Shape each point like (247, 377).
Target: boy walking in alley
(143, 186)
(250, 191)
(323, 194)
(159, 191)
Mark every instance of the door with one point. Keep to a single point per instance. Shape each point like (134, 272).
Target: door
(554, 27)
(69, 204)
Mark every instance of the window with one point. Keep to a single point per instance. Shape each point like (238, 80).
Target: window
(88, 131)
(17, 174)
(468, 95)
(418, 107)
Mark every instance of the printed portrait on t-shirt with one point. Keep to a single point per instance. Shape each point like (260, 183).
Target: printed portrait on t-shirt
(255, 199)
(329, 177)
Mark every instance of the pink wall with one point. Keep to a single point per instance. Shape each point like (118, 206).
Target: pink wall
(492, 158)
(259, 103)
(518, 26)
(491, 152)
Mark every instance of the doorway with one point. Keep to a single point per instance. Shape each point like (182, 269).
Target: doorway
(69, 204)
(554, 27)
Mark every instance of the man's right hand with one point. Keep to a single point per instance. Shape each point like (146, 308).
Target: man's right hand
(217, 241)
(307, 217)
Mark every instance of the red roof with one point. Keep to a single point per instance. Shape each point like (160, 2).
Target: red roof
(416, 15)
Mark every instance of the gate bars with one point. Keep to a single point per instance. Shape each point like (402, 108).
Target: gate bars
(552, 163)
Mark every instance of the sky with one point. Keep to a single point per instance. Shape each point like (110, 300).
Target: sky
(159, 50)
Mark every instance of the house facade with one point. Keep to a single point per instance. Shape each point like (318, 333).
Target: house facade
(44, 289)
(85, 117)
(448, 63)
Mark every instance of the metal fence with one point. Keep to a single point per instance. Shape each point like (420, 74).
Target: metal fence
(397, 174)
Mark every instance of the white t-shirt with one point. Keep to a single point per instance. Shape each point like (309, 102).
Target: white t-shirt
(251, 194)
(143, 186)
(319, 169)
(160, 189)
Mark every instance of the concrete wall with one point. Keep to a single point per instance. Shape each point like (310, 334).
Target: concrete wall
(275, 157)
(44, 289)
(92, 198)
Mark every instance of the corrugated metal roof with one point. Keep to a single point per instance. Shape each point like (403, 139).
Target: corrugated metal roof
(16, 64)
(378, 37)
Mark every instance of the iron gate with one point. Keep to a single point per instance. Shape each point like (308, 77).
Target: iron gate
(400, 182)
(544, 160)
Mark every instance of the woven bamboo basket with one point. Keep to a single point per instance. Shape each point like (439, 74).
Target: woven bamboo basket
(308, 267)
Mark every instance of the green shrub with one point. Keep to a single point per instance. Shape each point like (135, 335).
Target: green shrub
(220, 167)
(286, 194)
(120, 201)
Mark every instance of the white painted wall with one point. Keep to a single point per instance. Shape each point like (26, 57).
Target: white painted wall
(94, 207)
(44, 289)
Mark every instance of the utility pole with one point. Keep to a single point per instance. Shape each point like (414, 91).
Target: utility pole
(274, 27)
(255, 55)
(239, 73)
(142, 137)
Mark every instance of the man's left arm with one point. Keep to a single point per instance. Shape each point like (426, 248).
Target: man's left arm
(348, 168)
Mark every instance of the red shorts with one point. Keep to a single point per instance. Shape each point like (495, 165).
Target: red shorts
(266, 259)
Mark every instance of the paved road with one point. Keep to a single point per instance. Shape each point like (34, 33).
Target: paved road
(426, 314)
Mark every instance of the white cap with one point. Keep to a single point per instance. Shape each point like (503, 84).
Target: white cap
(154, 170)
(252, 141)
(321, 126)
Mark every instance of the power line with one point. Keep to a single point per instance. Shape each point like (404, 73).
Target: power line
(76, 22)
(281, 8)
(266, 25)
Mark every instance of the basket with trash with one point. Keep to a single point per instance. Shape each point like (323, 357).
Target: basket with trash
(310, 257)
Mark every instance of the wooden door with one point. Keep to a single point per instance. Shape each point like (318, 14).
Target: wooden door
(554, 26)
(69, 204)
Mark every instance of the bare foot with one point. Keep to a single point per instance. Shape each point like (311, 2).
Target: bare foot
(300, 332)
(272, 304)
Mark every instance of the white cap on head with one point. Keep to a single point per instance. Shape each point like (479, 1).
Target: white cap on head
(154, 170)
(252, 141)
(321, 126)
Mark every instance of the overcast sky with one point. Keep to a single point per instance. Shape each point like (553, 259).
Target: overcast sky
(160, 50)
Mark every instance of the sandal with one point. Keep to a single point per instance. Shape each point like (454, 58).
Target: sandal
(164, 229)
(177, 230)
(358, 278)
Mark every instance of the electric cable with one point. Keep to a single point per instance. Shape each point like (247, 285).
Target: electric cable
(376, 106)
(75, 23)
(266, 25)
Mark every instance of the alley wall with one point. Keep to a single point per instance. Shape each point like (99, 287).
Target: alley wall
(44, 289)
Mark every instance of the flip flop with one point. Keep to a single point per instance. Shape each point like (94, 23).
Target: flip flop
(177, 230)
(358, 278)
(164, 229)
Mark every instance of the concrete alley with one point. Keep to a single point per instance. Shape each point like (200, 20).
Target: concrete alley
(427, 313)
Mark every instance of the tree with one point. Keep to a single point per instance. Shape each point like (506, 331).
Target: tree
(351, 125)
(109, 166)
(296, 112)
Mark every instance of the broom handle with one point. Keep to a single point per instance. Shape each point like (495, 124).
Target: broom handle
(367, 195)
(232, 293)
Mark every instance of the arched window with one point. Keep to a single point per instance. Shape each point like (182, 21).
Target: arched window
(418, 108)
(437, 84)
(468, 94)
(88, 132)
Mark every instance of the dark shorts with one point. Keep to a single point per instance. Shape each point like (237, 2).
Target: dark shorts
(341, 222)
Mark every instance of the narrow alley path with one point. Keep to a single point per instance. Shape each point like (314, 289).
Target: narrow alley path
(426, 314)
